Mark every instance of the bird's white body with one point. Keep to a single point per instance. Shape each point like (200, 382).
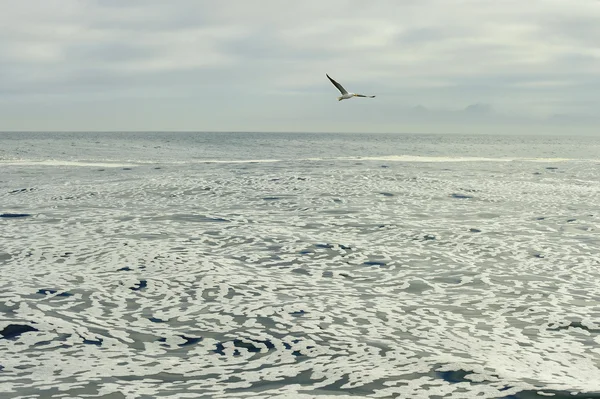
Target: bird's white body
(345, 95)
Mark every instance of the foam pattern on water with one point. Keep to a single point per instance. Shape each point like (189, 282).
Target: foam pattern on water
(333, 278)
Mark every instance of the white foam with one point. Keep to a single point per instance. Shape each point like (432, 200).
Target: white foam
(552, 159)
(52, 162)
(239, 161)
(416, 158)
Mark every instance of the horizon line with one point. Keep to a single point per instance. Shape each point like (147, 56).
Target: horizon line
(578, 134)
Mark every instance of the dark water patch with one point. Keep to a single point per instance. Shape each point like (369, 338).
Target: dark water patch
(537, 173)
(473, 230)
(21, 190)
(14, 330)
(551, 168)
(271, 198)
(47, 291)
(571, 220)
(460, 196)
(125, 269)
(327, 274)
(220, 349)
(126, 168)
(139, 286)
(573, 324)
(97, 342)
(301, 271)
(374, 263)
(540, 218)
(190, 340)
(298, 313)
(454, 376)
(385, 194)
(384, 166)
(275, 179)
(301, 178)
(158, 167)
(251, 347)
(156, 320)
(306, 252)
(100, 170)
(247, 344)
(14, 215)
(538, 255)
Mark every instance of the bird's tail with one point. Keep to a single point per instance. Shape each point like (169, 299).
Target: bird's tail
(340, 98)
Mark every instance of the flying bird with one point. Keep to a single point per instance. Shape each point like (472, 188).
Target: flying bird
(345, 95)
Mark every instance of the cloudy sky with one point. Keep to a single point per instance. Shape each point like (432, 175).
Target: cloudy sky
(441, 66)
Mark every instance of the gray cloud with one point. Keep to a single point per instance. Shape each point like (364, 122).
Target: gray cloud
(238, 65)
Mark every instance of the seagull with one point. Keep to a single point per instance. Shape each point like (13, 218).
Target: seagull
(345, 95)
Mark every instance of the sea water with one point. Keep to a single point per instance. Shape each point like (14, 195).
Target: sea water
(232, 265)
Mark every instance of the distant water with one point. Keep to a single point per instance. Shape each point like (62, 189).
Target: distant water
(231, 265)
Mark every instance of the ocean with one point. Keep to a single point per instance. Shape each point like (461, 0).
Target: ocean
(234, 265)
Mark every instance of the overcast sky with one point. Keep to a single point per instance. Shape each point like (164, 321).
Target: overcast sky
(435, 65)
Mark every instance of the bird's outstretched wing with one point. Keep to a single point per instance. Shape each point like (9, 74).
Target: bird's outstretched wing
(362, 95)
(336, 84)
